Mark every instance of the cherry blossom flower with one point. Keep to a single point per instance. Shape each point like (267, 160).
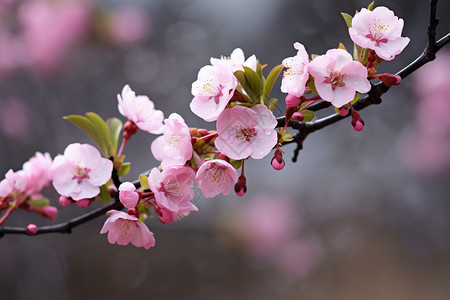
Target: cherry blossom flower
(296, 72)
(216, 176)
(140, 110)
(80, 171)
(174, 146)
(237, 60)
(128, 195)
(337, 77)
(14, 181)
(37, 171)
(123, 229)
(244, 132)
(213, 89)
(379, 30)
(173, 188)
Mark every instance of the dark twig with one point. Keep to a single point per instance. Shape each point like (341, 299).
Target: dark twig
(377, 90)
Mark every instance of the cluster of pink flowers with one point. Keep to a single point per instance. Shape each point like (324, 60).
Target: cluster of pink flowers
(231, 91)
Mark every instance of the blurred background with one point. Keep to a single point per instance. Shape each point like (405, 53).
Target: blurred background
(359, 216)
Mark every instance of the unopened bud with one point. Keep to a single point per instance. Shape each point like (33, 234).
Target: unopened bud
(50, 212)
(65, 201)
(298, 116)
(31, 229)
(83, 202)
(277, 160)
(357, 122)
(390, 79)
(133, 212)
(240, 187)
(129, 129)
(165, 216)
(292, 101)
(203, 132)
(343, 111)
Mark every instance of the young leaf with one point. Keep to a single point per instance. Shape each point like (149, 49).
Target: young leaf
(272, 103)
(124, 169)
(92, 125)
(286, 136)
(311, 85)
(236, 163)
(254, 81)
(270, 81)
(240, 75)
(115, 127)
(144, 182)
(348, 19)
(341, 46)
(370, 7)
(308, 115)
(39, 202)
(105, 196)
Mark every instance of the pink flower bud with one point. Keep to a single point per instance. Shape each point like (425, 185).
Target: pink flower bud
(31, 229)
(357, 122)
(343, 111)
(50, 212)
(390, 79)
(83, 202)
(292, 101)
(277, 160)
(129, 129)
(65, 201)
(297, 116)
(165, 216)
(240, 187)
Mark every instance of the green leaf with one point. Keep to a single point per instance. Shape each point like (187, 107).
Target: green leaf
(286, 136)
(370, 7)
(254, 81)
(270, 81)
(124, 169)
(115, 127)
(308, 115)
(348, 19)
(39, 202)
(144, 182)
(105, 196)
(236, 163)
(355, 99)
(272, 103)
(356, 51)
(95, 128)
(258, 69)
(341, 46)
(240, 75)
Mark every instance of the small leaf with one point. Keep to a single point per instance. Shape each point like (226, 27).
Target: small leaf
(258, 69)
(272, 103)
(102, 131)
(270, 81)
(341, 46)
(39, 202)
(254, 82)
(104, 195)
(286, 136)
(355, 99)
(308, 115)
(348, 19)
(124, 169)
(356, 52)
(240, 75)
(236, 163)
(311, 85)
(144, 182)
(314, 56)
(115, 127)
(370, 7)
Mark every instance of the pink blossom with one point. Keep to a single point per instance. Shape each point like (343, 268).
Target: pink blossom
(14, 181)
(379, 30)
(140, 110)
(237, 60)
(37, 171)
(173, 188)
(128, 195)
(213, 89)
(216, 176)
(296, 73)
(123, 228)
(244, 132)
(80, 171)
(174, 146)
(337, 77)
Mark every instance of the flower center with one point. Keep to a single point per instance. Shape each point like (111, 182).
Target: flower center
(246, 133)
(378, 33)
(171, 187)
(336, 79)
(80, 173)
(216, 174)
(127, 228)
